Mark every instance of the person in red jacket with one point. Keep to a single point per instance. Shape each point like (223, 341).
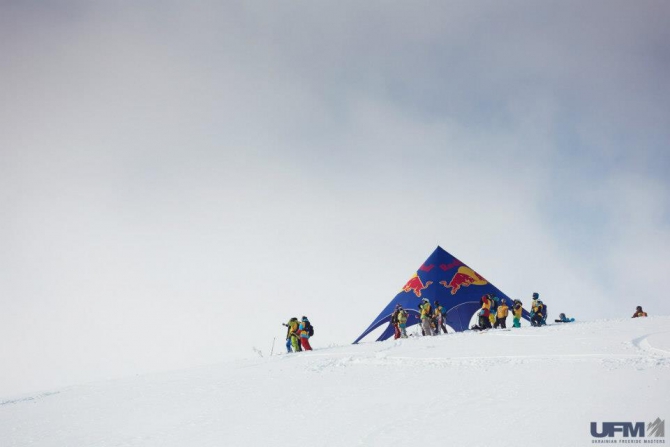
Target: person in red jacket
(485, 312)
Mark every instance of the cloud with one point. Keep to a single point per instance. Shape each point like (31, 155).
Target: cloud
(178, 180)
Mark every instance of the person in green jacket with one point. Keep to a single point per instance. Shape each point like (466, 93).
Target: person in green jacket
(402, 322)
(439, 318)
(292, 340)
(426, 317)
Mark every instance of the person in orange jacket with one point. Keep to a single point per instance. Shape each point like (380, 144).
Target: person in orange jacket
(639, 312)
(501, 317)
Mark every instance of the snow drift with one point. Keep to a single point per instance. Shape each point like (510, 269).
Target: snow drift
(530, 386)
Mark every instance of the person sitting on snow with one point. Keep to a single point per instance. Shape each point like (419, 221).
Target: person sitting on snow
(545, 313)
(536, 317)
(536, 298)
(639, 312)
(501, 315)
(563, 319)
(517, 311)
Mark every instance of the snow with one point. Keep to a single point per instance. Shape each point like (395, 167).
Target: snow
(528, 386)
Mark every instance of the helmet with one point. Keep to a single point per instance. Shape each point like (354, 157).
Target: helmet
(539, 301)
(503, 300)
(436, 302)
(304, 318)
(425, 300)
(536, 295)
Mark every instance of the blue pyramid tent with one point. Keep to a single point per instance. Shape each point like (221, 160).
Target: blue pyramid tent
(444, 278)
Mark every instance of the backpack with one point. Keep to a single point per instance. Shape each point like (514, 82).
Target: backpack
(310, 329)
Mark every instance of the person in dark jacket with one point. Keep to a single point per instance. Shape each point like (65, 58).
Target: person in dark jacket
(394, 322)
(305, 332)
(517, 311)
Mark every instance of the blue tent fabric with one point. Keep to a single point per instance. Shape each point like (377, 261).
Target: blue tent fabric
(446, 279)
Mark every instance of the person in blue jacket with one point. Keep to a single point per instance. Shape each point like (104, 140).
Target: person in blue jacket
(563, 319)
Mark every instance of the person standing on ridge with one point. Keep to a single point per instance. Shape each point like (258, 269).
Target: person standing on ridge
(517, 311)
(306, 331)
(639, 312)
(292, 335)
(426, 317)
(501, 315)
(394, 322)
(485, 312)
(439, 318)
(402, 322)
(494, 309)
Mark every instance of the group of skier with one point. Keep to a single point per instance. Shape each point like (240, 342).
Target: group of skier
(432, 319)
(298, 333)
(494, 312)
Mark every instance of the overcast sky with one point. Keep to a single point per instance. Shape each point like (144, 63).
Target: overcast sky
(179, 178)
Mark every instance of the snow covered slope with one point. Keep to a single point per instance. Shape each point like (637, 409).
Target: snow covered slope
(531, 386)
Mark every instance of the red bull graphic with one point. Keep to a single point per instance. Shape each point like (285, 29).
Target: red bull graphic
(451, 265)
(426, 268)
(460, 301)
(464, 277)
(416, 285)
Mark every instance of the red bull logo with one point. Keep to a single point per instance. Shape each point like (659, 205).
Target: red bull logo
(464, 277)
(416, 285)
